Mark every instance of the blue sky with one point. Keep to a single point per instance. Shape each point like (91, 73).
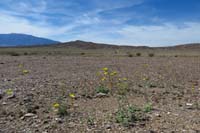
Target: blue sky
(124, 22)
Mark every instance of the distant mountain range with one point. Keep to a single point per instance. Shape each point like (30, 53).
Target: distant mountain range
(91, 45)
(15, 39)
(23, 40)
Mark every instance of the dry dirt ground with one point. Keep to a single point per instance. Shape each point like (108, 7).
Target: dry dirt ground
(172, 86)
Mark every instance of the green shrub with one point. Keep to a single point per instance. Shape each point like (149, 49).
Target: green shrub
(130, 55)
(151, 54)
(90, 121)
(148, 108)
(13, 53)
(25, 53)
(126, 116)
(102, 89)
(62, 110)
(138, 54)
(82, 53)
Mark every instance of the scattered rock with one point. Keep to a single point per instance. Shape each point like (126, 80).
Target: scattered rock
(32, 108)
(29, 115)
(27, 99)
(168, 113)
(151, 131)
(4, 103)
(1, 94)
(98, 131)
(193, 131)
(108, 126)
(75, 105)
(152, 86)
(189, 104)
(157, 115)
(71, 124)
(11, 96)
(59, 120)
(101, 95)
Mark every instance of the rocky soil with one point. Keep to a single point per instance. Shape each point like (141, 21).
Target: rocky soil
(30, 85)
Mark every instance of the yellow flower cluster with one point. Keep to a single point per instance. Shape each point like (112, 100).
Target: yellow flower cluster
(105, 69)
(145, 78)
(72, 95)
(124, 79)
(9, 92)
(25, 71)
(113, 73)
(103, 79)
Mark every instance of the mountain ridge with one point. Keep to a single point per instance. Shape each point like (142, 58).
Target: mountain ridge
(18, 39)
(24, 40)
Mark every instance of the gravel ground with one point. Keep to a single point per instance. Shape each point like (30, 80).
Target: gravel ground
(27, 98)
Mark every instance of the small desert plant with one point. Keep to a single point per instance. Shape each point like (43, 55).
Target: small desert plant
(111, 82)
(122, 86)
(60, 109)
(82, 53)
(130, 55)
(25, 53)
(151, 54)
(196, 102)
(13, 53)
(25, 71)
(90, 121)
(126, 116)
(147, 83)
(102, 89)
(72, 100)
(138, 54)
(107, 79)
(148, 107)
(9, 92)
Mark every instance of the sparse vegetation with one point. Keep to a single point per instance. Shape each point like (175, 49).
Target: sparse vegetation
(151, 54)
(61, 94)
(130, 55)
(60, 109)
(138, 54)
(13, 53)
(102, 89)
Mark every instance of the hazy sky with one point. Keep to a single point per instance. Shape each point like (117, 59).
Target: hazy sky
(130, 22)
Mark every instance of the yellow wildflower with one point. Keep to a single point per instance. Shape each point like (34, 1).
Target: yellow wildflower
(25, 71)
(124, 79)
(9, 92)
(193, 87)
(105, 69)
(105, 73)
(113, 73)
(56, 105)
(103, 79)
(72, 95)
(145, 78)
(20, 65)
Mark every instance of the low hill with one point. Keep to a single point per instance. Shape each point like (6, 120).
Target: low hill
(13, 39)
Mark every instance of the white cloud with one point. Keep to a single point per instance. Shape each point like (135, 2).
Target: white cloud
(160, 35)
(11, 24)
(167, 34)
